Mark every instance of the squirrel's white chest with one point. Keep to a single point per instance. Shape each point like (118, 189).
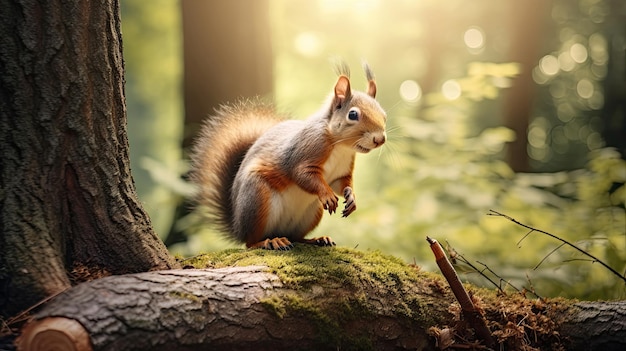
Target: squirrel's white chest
(339, 163)
(293, 209)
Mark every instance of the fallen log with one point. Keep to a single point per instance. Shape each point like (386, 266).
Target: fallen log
(308, 298)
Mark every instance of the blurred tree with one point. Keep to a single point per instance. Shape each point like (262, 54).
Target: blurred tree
(578, 89)
(614, 108)
(527, 23)
(227, 56)
(435, 48)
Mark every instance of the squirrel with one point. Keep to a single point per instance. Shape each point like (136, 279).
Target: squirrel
(268, 179)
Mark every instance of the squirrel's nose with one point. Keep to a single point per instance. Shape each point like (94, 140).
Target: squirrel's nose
(379, 140)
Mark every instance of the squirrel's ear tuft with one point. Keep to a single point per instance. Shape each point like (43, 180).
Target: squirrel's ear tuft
(342, 90)
(371, 83)
(342, 68)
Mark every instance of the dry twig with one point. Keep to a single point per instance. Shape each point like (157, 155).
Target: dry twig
(563, 242)
(470, 312)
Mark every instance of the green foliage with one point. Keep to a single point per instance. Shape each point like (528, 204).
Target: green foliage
(438, 175)
(442, 169)
(314, 271)
(153, 57)
(440, 179)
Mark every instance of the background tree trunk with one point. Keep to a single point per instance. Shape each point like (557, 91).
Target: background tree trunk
(227, 55)
(528, 24)
(68, 200)
(614, 109)
(248, 308)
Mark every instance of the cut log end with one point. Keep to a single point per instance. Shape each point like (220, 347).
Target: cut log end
(54, 333)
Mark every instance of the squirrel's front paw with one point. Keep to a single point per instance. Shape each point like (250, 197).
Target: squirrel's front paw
(350, 201)
(330, 202)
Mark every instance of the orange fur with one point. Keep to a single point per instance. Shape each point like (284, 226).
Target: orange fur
(273, 176)
(260, 219)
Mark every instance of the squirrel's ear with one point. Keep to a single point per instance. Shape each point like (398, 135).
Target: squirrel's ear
(342, 90)
(371, 83)
(371, 88)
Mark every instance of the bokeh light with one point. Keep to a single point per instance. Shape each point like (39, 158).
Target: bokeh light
(549, 65)
(474, 39)
(410, 91)
(578, 52)
(308, 44)
(598, 49)
(451, 89)
(584, 88)
(566, 62)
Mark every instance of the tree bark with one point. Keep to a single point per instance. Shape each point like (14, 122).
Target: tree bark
(596, 325)
(249, 308)
(68, 199)
(240, 308)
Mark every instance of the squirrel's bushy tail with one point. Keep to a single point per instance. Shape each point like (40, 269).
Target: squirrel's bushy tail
(219, 150)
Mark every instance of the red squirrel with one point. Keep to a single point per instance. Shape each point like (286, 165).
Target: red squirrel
(267, 180)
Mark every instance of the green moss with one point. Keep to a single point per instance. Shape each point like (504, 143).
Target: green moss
(306, 265)
(315, 271)
(275, 304)
(327, 320)
(311, 275)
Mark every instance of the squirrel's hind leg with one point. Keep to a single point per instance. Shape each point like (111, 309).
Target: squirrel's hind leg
(283, 244)
(311, 222)
(321, 241)
(280, 243)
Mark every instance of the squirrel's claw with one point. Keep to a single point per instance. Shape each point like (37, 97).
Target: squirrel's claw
(330, 203)
(280, 243)
(350, 202)
(321, 241)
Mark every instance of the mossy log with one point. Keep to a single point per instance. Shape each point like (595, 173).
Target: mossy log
(308, 298)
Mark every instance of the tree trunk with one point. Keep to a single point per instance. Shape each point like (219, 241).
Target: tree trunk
(347, 300)
(613, 111)
(228, 55)
(527, 25)
(68, 200)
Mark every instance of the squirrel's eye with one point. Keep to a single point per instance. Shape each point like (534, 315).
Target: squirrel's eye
(353, 115)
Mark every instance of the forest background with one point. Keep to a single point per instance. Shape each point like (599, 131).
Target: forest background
(512, 106)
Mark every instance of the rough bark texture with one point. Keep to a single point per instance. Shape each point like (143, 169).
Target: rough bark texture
(318, 299)
(597, 326)
(68, 199)
(242, 308)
